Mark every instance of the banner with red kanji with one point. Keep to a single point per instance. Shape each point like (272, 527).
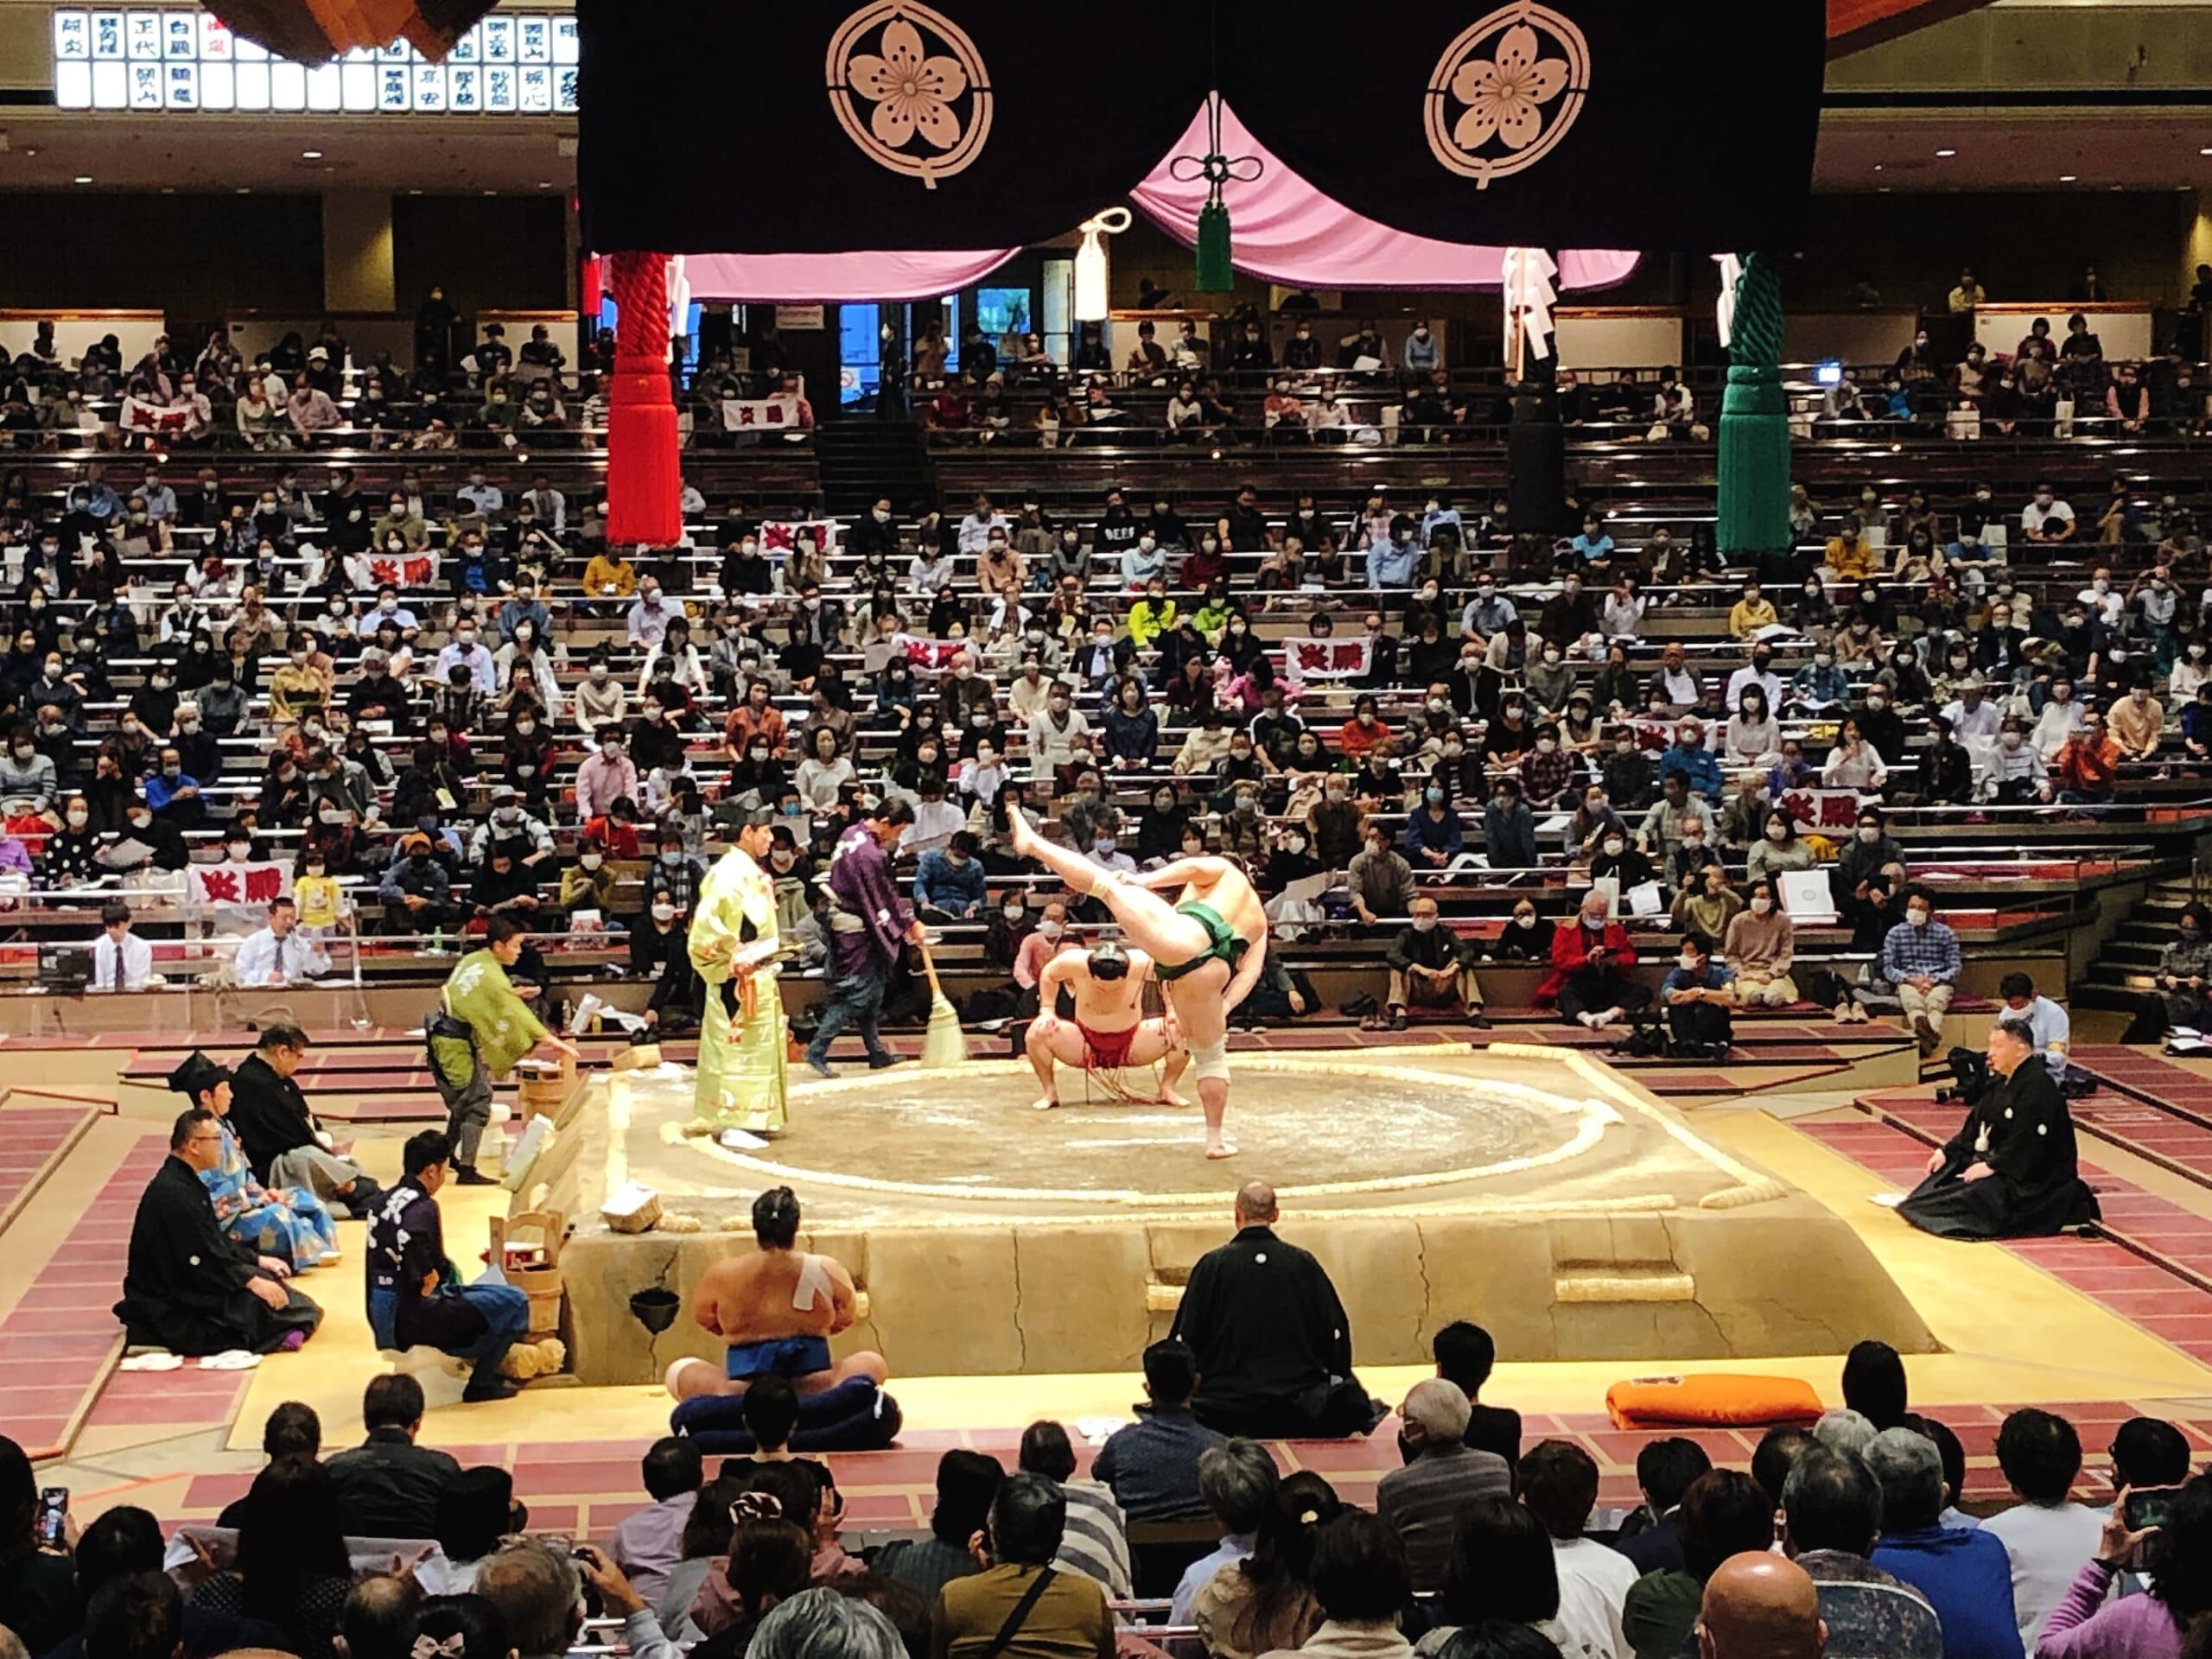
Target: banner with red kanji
(371, 571)
(1326, 659)
(935, 656)
(237, 884)
(764, 415)
(160, 419)
(1830, 813)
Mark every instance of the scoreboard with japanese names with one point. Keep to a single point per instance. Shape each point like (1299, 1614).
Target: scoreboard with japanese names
(511, 63)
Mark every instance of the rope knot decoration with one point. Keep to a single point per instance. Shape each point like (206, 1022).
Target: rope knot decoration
(1218, 170)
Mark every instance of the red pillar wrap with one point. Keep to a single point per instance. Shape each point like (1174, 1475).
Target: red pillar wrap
(643, 481)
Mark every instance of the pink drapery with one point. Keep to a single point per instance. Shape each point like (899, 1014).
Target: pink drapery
(1285, 231)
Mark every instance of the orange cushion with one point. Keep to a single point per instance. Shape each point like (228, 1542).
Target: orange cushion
(1710, 1401)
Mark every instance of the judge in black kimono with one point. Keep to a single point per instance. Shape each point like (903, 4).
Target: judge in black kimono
(2011, 1171)
(1272, 1344)
(188, 1287)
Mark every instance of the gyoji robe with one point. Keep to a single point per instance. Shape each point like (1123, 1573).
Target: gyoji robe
(2021, 1128)
(741, 1054)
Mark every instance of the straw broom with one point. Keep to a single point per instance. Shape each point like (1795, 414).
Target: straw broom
(943, 1044)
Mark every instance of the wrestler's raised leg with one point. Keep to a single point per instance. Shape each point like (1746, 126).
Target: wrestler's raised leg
(1152, 924)
(1052, 1039)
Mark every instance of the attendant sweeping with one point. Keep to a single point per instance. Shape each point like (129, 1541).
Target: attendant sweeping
(480, 1029)
(868, 923)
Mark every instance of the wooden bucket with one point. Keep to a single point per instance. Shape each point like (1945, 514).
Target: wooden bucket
(533, 1268)
(542, 1092)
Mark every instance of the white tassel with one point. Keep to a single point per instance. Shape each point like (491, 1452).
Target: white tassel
(1731, 273)
(1530, 297)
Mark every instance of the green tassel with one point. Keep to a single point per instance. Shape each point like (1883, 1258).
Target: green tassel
(1214, 276)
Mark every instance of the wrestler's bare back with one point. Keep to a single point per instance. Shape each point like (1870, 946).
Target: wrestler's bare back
(748, 1298)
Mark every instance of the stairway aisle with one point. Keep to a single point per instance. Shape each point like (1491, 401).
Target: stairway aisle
(862, 459)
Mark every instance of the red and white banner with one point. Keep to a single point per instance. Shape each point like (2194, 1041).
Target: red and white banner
(373, 570)
(1830, 813)
(237, 884)
(780, 537)
(935, 656)
(764, 415)
(158, 419)
(1326, 659)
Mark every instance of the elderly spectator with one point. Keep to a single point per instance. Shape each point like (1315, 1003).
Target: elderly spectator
(1964, 1574)
(1430, 968)
(1832, 1507)
(1424, 1500)
(1591, 964)
(538, 1593)
(1264, 1601)
(1758, 1607)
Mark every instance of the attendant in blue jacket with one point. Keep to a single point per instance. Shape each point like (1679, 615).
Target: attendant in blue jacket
(949, 882)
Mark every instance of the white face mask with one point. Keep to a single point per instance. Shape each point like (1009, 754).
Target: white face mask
(664, 913)
(1761, 905)
(1615, 847)
(1424, 924)
(1918, 918)
(1524, 921)
(592, 860)
(1869, 834)
(1776, 832)
(1051, 930)
(1688, 962)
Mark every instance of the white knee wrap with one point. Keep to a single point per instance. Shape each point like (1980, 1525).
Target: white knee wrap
(1210, 1059)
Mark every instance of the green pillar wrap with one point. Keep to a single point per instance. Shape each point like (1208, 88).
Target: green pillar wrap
(1755, 422)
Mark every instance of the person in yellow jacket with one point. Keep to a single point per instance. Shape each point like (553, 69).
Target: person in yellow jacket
(734, 945)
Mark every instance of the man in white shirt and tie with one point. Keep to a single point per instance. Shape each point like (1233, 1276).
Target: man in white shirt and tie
(121, 959)
(279, 954)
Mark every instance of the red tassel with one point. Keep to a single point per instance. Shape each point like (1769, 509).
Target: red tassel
(644, 482)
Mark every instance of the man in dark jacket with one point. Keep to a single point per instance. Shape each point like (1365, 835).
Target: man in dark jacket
(188, 1285)
(388, 1486)
(284, 1142)
(1273, 1343)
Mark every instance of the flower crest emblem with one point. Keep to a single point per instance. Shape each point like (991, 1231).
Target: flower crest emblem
(1506, 91)
(910, 89)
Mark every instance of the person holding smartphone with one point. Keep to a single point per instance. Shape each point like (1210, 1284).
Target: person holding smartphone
(2177, 1552)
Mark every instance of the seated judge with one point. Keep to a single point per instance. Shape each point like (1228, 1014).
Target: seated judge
(284, 1143)
(277, 953)
(121, 959)
(2011, 1172)
(187, 1286)
(1273, 1343)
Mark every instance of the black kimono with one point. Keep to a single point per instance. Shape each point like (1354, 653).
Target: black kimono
(1273, 1343)
(269, 1115)
(2021, 1128)
(185, 1287)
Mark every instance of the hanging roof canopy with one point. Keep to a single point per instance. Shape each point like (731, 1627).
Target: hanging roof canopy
(979, 124)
